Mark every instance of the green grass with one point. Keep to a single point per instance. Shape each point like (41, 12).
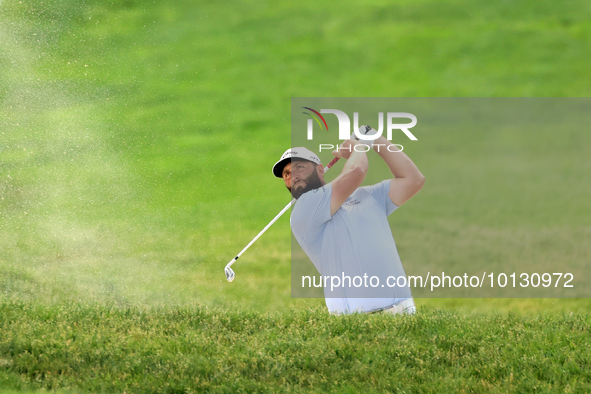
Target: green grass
(105, 349)
(136, 141)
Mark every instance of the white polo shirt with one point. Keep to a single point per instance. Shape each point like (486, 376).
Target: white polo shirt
(354, 242)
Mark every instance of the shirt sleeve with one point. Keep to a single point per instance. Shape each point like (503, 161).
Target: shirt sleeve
(311, 212)
(380, 192)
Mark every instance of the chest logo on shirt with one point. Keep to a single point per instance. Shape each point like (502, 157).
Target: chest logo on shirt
(352, 202)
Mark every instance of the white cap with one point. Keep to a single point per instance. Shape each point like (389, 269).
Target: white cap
(291, 153)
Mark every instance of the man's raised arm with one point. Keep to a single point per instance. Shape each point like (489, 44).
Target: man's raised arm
(408, 179)
(352, 175)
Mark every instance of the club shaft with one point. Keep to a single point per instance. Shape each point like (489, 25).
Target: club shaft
(266, 227)
(333, 161)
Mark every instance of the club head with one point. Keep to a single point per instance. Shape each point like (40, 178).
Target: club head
(229, 274)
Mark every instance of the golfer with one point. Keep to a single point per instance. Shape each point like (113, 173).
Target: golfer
(343, 228)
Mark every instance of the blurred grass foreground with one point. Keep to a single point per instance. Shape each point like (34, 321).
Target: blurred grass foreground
(99, 349)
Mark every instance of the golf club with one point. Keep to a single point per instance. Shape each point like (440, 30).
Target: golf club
(230, 275)
(229, 272)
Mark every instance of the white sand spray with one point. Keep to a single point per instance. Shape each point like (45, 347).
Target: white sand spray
(64, 186)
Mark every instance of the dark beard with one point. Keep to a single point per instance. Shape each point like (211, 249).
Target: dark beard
(312, 182)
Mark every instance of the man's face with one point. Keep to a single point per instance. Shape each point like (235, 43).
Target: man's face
(301, 176)
(287, 176)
